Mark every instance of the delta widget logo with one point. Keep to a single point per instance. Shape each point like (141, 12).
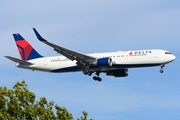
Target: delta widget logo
(130, 53)
(137, 53)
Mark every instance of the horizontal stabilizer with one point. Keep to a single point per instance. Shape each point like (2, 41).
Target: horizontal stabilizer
(19, 60)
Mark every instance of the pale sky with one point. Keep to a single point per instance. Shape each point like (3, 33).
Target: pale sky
(91, 27)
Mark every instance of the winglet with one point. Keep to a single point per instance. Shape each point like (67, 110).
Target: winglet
(38, 35)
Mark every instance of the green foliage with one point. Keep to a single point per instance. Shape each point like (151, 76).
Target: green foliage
(85, 116)
(19, 104)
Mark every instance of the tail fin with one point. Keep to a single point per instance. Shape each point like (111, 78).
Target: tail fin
(26, 51)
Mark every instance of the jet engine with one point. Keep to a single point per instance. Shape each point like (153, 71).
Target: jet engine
(103, 62)
(118, 73)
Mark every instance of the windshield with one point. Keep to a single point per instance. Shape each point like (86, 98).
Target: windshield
(167, 53)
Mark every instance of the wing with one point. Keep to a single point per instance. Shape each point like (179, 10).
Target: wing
(18, 60)
(81, 59)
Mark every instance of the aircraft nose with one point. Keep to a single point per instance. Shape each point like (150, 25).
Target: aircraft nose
(173, 57)
(170, 58)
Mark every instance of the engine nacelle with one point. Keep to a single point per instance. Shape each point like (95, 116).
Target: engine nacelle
(103, 62)
(118, 73)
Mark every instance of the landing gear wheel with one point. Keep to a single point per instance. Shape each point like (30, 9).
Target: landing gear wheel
(89, 73)
(97, 78)
(161, 71)
(85, 72)
(162, 66)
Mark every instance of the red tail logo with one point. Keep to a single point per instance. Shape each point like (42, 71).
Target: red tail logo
(26, 51)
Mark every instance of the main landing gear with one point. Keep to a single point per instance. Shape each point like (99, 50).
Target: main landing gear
(162, 66)
(86, 72)
(96, 78)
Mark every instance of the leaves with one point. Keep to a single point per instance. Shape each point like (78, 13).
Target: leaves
(19, 103)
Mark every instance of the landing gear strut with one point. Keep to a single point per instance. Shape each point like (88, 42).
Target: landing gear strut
(162, 66)
(97, 78)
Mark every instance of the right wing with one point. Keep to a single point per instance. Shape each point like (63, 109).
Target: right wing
(81, 59)
(19, 61)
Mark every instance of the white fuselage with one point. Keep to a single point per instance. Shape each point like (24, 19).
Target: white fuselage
(121, 59)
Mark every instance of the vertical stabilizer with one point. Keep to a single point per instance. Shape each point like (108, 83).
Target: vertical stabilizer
(26, 51)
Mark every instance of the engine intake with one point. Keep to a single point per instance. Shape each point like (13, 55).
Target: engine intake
(103, 62)
(118, 73)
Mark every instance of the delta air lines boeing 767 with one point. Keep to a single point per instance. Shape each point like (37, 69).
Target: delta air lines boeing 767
(112, 63)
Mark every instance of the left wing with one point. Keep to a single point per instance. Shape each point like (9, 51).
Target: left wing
(82, 59)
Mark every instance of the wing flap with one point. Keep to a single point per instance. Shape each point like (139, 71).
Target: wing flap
(18, 60)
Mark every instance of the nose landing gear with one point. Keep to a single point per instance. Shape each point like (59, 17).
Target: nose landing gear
(162, 66)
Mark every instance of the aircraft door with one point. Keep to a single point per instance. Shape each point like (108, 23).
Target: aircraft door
(45, 62)
(155, 54)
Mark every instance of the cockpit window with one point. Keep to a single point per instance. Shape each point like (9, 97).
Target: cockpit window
(167, 53)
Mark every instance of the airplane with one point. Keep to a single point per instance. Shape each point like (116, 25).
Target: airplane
(112, 63)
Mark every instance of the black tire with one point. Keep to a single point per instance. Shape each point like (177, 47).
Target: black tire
(99, 79)
(95, 78)
(85, 72)
(161, 71)
(89, 73)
